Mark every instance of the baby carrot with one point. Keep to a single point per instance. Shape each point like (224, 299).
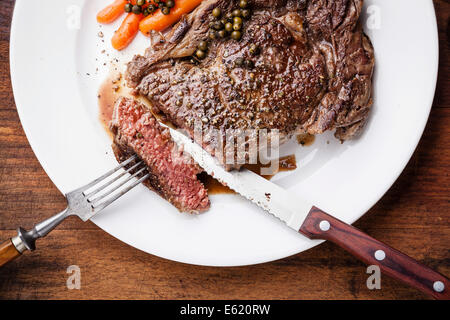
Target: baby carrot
(127, 31)
(158, 21)
(112, 12)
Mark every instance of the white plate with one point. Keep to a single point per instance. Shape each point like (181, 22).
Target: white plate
(55, 45)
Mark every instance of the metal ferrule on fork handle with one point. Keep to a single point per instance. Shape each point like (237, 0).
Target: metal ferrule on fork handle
(26, 240)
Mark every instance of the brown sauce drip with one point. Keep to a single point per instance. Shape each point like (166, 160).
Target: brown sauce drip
(214, 186)
(108, 93)
(287, 163)
(305, 139)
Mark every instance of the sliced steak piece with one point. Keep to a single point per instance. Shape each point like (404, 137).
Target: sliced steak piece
(173, 173)
(313, 71)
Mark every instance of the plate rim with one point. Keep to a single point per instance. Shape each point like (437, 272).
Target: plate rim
(381, 194)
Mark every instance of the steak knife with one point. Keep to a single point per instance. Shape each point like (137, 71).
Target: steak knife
(305, 218)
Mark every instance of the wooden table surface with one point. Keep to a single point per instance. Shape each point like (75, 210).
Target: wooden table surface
(413, 217)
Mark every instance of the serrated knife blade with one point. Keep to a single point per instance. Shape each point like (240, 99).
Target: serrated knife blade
(288, 208)
(314, 223)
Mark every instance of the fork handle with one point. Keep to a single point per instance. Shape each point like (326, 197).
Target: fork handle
(26, 240)
(8, 252)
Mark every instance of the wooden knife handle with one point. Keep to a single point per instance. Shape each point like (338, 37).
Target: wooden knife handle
(8, 252)
(320, 225)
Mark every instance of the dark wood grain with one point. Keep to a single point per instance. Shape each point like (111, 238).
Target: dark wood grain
(412, 217)
(7, 252)
(393, 263)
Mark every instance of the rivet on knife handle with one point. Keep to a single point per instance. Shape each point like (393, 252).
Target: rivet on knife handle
(320, 225)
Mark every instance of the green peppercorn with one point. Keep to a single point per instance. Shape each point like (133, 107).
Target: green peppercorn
(140, 2)
(217, 25)
(237, 26)
(170, 3)
(236, 35)
(243, 4)
(165, 10)
(237, 20)
(212, 35)
(200, 54)
(229, 27)
(128, 7)
(222, 34)
(203, 45)
(217, 12)
(246, 13)
(151, 8)
(237, 13)
(137, 9)
(229, 16)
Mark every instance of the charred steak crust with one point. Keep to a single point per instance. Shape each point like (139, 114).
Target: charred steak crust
(173, 174)
(313, 72)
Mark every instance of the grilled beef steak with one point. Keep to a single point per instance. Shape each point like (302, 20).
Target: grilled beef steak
(309, 70)
(172, 174)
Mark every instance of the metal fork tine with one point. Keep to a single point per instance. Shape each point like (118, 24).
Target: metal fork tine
(106, 175)
(113, 180)
(78, 204)
(117, 196)
(93, 201)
